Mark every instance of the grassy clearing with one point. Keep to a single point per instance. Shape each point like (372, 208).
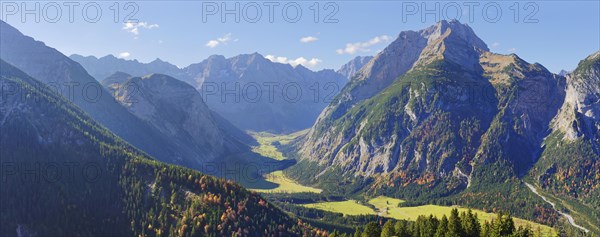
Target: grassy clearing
(267, 148)
(383, 203)
(350, 207)
(286, 185)
(266, 141)
(388, 207)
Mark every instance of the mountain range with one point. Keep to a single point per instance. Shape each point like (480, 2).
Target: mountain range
(104, 67)
(250, 91)
(144, 131)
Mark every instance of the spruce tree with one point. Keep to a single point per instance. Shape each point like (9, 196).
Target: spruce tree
(454, 225)
(372, 230)
(388, 229)
(442, 227)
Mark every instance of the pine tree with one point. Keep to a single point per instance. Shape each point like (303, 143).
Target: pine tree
(486, 229)
(372, 230)
(503, 225)
(430, 227)
(442, 227)
(402, 229)
(357, 232)
(455, 228)
(388, 229)
(471, 224)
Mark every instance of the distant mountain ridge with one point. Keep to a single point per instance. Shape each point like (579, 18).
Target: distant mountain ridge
(247, 90)
(256, 94)
(349, 69)
(103, 67)
(72, 81)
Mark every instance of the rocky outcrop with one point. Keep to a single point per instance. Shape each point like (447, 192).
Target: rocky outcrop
(569, 165)
(580, 113)
(349, 69)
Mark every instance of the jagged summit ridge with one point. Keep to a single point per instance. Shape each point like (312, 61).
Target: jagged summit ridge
(463, 31)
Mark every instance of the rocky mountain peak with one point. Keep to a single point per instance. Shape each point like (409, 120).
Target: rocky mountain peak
(563, 73)
(163, 82)
(462, 31)
(446, 40)
(247, 59)
(115, 80)
(157, 60)
(454, 42)
(215, 57)
(352, 67)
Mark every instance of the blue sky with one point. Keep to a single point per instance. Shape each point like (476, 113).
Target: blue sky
(556, 34)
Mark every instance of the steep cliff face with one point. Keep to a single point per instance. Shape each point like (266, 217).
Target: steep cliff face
(580, 113)
(176, 110)
(408, 50)
(440, 116)
(349, 69)
(569, 166)
(529, 97)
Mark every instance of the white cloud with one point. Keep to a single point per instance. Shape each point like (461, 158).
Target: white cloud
(495, 45)
(512, 50)
(134, 27)
(295, 62)
(352, 48)
(222, 40)
(212, 43)
(124, 55)
(308, 39)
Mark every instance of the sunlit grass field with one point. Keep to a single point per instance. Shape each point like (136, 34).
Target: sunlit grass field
(388, 207)
(382, 202)
(286, 185)
(266, 140)
(350, 207)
